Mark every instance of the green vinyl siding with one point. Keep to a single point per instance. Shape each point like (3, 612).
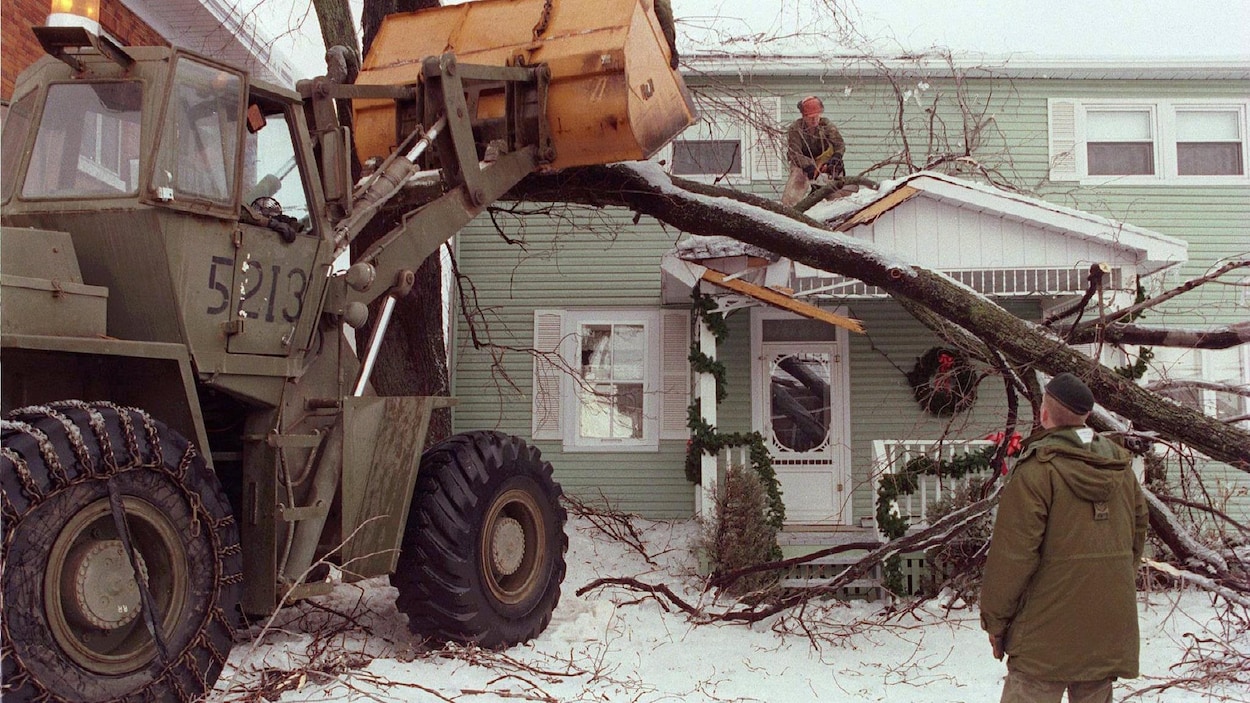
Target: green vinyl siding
(569, 258)
(1014, 148)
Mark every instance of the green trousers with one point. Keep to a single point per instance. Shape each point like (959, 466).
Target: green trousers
(1024, 689)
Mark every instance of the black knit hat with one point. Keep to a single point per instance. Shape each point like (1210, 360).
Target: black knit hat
(1071, 392)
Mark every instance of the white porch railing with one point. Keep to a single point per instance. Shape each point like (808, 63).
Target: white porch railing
(891, 455)
(731, 456)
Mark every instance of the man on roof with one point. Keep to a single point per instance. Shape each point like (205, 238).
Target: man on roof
(813, 147)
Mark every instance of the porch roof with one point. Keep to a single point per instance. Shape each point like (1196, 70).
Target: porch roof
(997, 242)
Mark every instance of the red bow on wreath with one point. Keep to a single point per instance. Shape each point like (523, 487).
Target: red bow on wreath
(1013, 446)
(946, 364)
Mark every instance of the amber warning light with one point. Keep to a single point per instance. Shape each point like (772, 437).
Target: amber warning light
(75, 13)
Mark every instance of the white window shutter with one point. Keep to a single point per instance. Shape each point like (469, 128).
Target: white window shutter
(767, 157)
(675, 374)
(1063, 144)
(548, 335)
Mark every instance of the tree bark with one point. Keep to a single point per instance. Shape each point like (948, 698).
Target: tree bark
(413, 356)
(1224, 337)
(337, 26)
(703, 209)
(375, 10)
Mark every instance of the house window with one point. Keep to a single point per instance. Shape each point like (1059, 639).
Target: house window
(1149, 141)
(1209, 143)
(696, 157)
(1209, 386)
(1120, 142)
(611, 388)
(713, 149)
(611, 380)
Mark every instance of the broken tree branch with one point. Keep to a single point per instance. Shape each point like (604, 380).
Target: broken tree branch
(704, 209)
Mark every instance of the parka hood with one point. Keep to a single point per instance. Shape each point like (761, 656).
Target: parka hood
(1091, 470)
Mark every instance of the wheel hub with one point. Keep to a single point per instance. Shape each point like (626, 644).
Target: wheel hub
(508, 546)
(100, 585)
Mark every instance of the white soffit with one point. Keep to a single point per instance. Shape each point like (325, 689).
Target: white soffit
(216, 29)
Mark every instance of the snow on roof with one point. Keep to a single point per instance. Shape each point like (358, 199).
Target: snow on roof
(220, 30)
(698, 247)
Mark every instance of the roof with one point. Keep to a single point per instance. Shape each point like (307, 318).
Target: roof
(968, 65)
(218, 29)
(993, 240)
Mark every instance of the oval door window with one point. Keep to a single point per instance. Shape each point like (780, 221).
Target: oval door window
(799, 398)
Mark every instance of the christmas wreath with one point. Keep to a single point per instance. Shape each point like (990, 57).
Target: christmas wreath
(943, 381)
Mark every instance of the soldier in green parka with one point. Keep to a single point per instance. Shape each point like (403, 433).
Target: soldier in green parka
(1059, 593)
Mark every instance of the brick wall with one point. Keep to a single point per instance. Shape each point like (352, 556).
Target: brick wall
(20, 48)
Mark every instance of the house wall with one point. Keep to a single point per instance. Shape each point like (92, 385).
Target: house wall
(21, 49)
(1214, 219)
(572, 258)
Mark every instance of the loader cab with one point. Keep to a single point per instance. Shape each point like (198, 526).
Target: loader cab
(164, 163)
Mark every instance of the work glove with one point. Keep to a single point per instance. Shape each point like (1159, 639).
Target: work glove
(810, 172)
(834, 167)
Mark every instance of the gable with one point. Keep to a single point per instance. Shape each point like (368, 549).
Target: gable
(947, 236)
(959, 227)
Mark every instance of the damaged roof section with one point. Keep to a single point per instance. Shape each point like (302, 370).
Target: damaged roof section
(995, 241)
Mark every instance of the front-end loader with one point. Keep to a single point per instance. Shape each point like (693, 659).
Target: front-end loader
(190, 438)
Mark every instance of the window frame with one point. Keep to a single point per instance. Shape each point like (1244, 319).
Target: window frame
(717, 126)
(570, 388)
(1164, 128)
(121, 188)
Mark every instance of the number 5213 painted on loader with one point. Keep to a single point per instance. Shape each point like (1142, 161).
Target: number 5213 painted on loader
(188, 437)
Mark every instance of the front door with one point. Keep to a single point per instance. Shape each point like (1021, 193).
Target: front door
(800, 407)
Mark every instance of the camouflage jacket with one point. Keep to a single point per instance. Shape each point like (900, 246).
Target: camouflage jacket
(1060, 577)
(803, 146)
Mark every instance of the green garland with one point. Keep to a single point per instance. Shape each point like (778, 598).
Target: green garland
(704, 438)
(1138, 368)
(891, 486)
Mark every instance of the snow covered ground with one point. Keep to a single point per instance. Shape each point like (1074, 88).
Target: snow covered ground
(614, 645)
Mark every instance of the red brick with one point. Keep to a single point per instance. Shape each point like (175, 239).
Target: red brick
(20, 48)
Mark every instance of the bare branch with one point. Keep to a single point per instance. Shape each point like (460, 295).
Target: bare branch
(1152, 302)
(1224, 337)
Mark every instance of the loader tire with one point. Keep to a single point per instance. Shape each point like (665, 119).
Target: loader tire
(74, 626)
(483, 551)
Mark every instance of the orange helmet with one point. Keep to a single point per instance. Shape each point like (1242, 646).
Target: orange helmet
(810, 106)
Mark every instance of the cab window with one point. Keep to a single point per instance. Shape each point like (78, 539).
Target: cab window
(88, 141)
(12, 139)
(200, 142)
(271, 175)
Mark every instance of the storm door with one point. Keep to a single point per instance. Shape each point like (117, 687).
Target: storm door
(800, 403)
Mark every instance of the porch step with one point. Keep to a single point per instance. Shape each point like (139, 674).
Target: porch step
(820, 572)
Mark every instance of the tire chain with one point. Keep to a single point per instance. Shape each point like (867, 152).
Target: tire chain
(92, 472)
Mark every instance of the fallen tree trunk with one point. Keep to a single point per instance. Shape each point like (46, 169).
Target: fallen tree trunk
(709, 210)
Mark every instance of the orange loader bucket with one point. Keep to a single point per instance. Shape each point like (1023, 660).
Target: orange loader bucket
(612, 96)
